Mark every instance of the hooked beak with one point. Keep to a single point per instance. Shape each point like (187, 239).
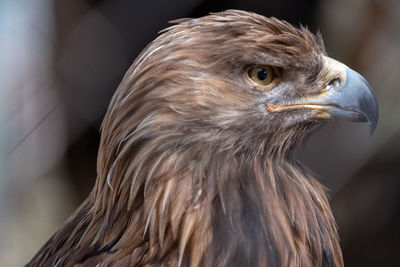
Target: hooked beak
(347, 95)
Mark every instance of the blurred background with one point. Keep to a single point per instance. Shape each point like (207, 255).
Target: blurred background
(61, 61)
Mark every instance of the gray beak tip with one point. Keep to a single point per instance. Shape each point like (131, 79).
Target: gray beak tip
(361, 98)
(373, 121)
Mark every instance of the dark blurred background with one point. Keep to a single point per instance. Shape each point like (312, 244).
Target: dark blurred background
(61, 61)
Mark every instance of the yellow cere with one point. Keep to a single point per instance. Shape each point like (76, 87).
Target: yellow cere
(334, 68)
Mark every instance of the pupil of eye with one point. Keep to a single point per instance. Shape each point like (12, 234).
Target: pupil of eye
(261, 74)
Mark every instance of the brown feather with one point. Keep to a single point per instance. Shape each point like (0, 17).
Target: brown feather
(190, 171)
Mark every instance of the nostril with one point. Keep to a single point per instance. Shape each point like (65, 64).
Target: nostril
(334, 83)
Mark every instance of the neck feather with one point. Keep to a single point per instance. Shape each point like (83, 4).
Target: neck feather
(203, 207)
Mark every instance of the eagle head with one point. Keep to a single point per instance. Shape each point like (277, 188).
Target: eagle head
(196, 166)
(238, 80)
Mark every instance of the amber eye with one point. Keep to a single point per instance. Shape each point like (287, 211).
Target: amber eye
(262, 75)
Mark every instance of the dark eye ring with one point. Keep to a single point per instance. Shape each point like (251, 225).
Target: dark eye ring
(262, 75)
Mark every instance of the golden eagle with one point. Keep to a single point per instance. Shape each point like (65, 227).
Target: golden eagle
(197, 162)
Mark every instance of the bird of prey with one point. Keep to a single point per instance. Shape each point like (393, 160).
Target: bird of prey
(197, 160)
